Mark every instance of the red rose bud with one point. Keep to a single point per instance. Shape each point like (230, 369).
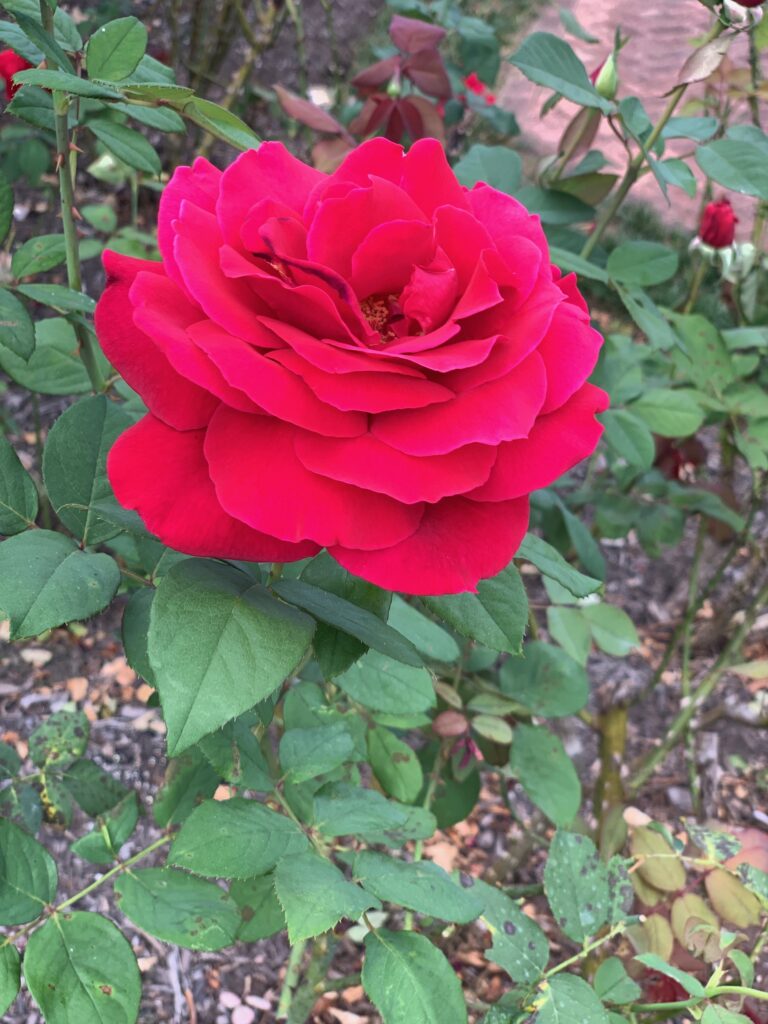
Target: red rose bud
(10, 63)
(749, 3)
(474, 84)
(718, 224)
(394, 352)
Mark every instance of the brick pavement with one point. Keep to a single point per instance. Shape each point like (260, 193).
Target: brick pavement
(661, 34)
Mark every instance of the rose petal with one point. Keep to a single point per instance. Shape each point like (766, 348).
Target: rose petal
(367, 462)
(260, 480)
(273, 388)
(168, 395)
(458, 543)
(378, 266)
(429, 180)
(556, 444)
(198, 185)
(569, 349)
(500, 410)
(163, 475)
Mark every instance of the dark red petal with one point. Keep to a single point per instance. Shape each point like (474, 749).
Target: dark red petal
(168, 395)
(557, 443)
(367, 462)
(458, 543)
(198, 185)
(429, 179)
(163, 475)
(569, 349)
(501, 410)
(383, 261)
(260, 480)
(273, 388)
(269, 172)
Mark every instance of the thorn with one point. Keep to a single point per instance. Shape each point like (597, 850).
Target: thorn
(76, 213)
(59, 162)
(74, 149)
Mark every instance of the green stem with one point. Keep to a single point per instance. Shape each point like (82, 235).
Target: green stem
(635, 165)
(696, 282)
(429, 796)
(67, 194)
(685, 670)
(754, 70)
(703, 691)
(582, 954)
(291, 979)
(116, 870)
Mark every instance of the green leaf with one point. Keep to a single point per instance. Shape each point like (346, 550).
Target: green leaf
(421, 886)
(169, 92)
(94, 790)
(10, 976)
(699, 129)
(55, 367)
(614, 985)
(429, 639)
(18, 495)
(126, 144)
(160, 118)
(576, 884)
(385, 685)
(519, 944)
(45, 42)
(493, 728)
(17, 332)
(546, 773)
(671, 413)
(45, 580)
(546, 680)
(736, 165)
(315, 896)
(350, 618)
(66, 300)
(409, 981)
(115, 49)
(307, 753)
(102, 844)
(648, 317)
(235, 753)
(75, 465)
(612, 628)
(549, 61)
(628, 436)
(63, 82)
(691, 984)
(28, 876)
(642, 263)
(566, 998)
(189, 779)
(260, 912)
(569, 261)
(343, 809)
(235, 839)
(553, 206)
(59, 740)
(179, 908)
(679, 174)
(715, 1014)
(571, 25)
(221, 123)
(569, 628)
(496, 616)
(550, 562)
(35, 106)
(334, 649)
(44, 252)
(135, 628)
(708, 360)
(10, 762)
(497, 166)
(218, 644)
(79, 967)
(395, 765)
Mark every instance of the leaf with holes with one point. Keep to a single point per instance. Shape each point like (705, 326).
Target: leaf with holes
(576, 884)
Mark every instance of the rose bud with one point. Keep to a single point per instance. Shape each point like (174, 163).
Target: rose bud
(605, 78)
(379, 362)
(10, 63)
(718, 224)
(749, 3)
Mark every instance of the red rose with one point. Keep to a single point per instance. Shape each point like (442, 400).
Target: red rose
(10, 63)
(750, 3)
(474, 84)
(718, 224)
(378, 361)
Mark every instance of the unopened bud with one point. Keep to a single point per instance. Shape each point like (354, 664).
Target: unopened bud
(607, 78)
(450, 723)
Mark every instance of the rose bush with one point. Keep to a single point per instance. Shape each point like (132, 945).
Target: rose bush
(379, 362)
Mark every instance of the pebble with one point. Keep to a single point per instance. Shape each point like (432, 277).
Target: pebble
(243, 1015)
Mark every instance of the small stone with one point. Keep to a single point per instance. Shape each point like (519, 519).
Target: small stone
(243, 1015)
(230, 1000)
